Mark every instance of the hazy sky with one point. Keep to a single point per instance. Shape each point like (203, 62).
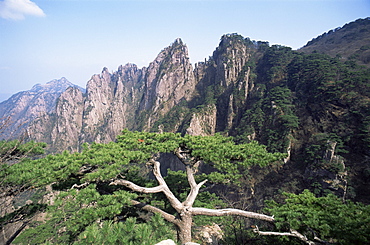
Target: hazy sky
(41, 40)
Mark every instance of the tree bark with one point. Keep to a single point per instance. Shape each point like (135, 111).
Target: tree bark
(169, 217)
(231, 211)
(184, 228)
(292, 233)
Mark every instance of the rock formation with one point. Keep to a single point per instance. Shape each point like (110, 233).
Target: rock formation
(24, 107)
(168, 81)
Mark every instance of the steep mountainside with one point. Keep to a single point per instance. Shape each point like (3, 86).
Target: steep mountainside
(98, 115)
(168, 81)
(22, 108)
(313, 106)
(350, 42)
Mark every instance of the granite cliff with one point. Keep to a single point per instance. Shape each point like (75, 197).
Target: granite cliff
(24, 107)
(310, 105)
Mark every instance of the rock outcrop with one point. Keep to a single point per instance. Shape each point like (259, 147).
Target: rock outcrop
(128, 98)
(107, 107)
(203, 122)
(142, 99)
(24, 107)
(169, 80)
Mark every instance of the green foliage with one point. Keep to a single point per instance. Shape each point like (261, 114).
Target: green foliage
(15, 150)
(274, 63)
(326, 217)
(301, 94)
(110, 160)
(129, 232)
(314, 153)
(230, 159)
(332, 91)
(74, 214)
(238, 231)
(272, 118)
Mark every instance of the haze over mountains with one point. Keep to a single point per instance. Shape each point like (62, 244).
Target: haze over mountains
(313, 106)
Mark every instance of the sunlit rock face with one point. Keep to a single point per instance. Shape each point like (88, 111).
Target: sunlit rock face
(146, 98)
(169, 80)
(24, 107)
(68, 122)
(111, 101)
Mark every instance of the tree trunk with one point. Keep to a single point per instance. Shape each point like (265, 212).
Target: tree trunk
(184, 228)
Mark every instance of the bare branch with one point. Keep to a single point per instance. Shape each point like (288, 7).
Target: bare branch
(292, 233)
(193, 194)
(169, 217)
(190, 174)
(178, 154)
(231, 211)
(191, 166)
(157, 171)
(137, 188)
(175, 203)
(75, 186)
(162, 187)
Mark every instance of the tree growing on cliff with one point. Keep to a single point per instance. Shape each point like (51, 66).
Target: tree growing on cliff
(103, 180)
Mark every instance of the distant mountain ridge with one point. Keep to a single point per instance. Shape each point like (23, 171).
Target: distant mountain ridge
(23, 107)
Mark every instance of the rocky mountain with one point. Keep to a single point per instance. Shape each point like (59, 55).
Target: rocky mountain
(129, 98)
(24, 107)
(313, 106)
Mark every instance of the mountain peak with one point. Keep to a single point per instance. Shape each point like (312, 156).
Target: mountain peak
(178, 41)
(56, 86)
(25, 106)
(178, 44)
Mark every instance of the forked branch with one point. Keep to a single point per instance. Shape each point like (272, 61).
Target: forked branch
(162, 187)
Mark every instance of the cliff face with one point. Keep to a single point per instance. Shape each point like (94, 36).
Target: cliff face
(203, 122)
(61, 129)
(98, 115)
(68, 122)
(232, 74)
(145, 99)
(129, 98)
(217, 97)
(24, 107)
(168, 81)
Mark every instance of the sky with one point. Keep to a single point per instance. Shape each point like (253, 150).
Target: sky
(42, 40)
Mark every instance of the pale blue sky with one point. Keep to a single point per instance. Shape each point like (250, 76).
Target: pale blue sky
(41, 40)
